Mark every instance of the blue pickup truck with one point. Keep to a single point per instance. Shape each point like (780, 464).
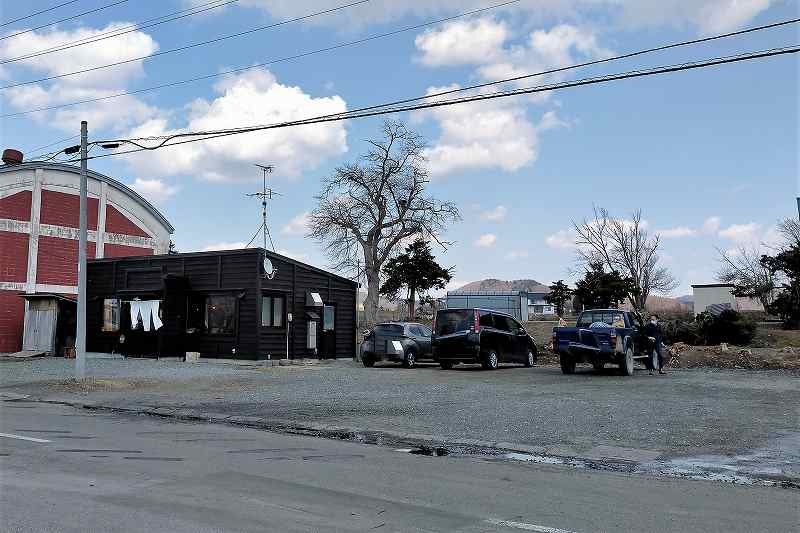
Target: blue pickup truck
(603, 336)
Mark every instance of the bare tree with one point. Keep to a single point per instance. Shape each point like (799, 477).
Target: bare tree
(750, 275)
(789, 229)
(626, 247)
(367, 208)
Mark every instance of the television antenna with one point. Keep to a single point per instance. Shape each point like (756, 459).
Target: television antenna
(265, 194)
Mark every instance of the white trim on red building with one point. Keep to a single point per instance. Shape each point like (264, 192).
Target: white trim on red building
(46, 214)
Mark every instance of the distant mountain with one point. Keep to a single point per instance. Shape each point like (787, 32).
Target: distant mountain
(499, 285)
(687, 299)
(661, 304)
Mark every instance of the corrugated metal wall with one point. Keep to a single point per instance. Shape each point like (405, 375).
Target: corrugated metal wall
(514, 304)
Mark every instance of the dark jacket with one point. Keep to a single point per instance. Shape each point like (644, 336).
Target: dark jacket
(654, 330)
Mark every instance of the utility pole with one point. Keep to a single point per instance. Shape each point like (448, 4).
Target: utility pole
(80, 337)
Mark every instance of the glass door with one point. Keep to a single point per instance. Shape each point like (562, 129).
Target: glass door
(328, 350)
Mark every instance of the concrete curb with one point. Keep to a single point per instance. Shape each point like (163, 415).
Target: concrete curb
(311, 428)
(606, 459)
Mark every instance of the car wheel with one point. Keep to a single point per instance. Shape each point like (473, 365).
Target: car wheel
(446, 365)
(626, 365)
(490, 361)
(410, 359)
(368, 360)
(567, 364)
(531, 359)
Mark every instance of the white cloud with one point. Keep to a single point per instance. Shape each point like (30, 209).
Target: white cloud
(562, 240)
(155, 190)
(708, 16)
(498, 214)
(545, 49)
(117, 113)
(466, 42)
(297, 225)
(485, 241)
(254, 97)
(515, 255)
(495, 134)
(485, 135)
(711, 225)
(224, 246)
(742, 233)
(677, 232)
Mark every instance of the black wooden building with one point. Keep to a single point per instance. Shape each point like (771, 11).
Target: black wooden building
(244, 304)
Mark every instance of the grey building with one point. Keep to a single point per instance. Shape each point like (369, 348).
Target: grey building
(515, 303)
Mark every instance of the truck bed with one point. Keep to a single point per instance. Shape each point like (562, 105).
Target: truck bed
(584, 341)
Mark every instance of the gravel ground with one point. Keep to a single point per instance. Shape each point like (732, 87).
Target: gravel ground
(689, 412)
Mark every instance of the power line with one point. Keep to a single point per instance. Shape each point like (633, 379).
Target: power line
(6, 23)
(393, 104)
(379, 110)
(401, 30)
(266, 63)
(192, 45)
(51, 144)
(142, 25)
(101, 8)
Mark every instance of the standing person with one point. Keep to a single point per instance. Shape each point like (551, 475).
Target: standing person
(653, 330)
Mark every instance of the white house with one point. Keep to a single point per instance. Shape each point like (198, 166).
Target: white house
(716, 297)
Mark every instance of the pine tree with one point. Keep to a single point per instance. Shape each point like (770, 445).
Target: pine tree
(600, 289)
(560, 294)
(417, 271)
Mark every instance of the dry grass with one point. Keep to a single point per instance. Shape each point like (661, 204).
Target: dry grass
(91, 384)
(776, 338)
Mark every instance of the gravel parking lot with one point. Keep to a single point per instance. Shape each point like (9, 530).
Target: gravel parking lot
(688, 413)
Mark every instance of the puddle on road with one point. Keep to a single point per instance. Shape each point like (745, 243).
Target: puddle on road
(778, 463)
(539, 459)
(435, 451)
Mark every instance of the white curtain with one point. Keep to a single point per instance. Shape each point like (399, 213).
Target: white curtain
(147, 309)
(154, 307)
(136, 312)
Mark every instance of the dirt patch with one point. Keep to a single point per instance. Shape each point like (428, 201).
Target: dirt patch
(723, 356)
(98, 384)
(776, 338)
(541, 330)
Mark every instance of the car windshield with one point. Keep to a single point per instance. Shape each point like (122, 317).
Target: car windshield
(612, 318)
(454, 320)
(389, 329)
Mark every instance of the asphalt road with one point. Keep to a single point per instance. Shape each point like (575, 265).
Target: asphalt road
(65, 469)
(688, 413)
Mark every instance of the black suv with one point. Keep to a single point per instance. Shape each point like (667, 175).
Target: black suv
(404, 342)
(480, 336)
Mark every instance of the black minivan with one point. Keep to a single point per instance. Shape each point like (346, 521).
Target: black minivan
(480, 336)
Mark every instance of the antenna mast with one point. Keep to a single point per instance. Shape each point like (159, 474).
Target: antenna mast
(265, 194)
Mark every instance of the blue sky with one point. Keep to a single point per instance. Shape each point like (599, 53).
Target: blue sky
(710, 156)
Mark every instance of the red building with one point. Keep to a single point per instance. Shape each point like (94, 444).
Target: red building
(39, 207)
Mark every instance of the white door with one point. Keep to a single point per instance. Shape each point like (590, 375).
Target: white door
(39, 332)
